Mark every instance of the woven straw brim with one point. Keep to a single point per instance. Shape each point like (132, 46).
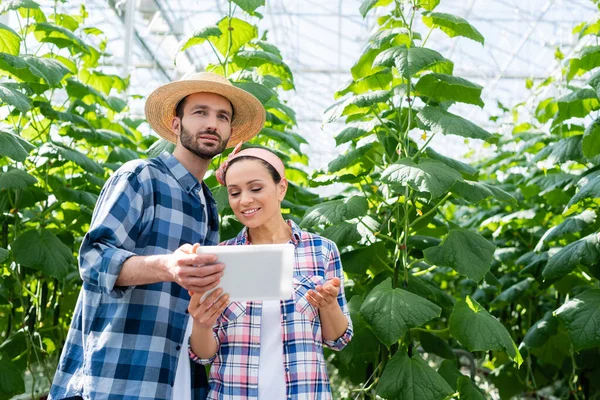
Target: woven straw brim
(248, 115)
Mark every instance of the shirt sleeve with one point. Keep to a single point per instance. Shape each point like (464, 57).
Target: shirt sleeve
(111, 239)
(205, 361)
(334, 269)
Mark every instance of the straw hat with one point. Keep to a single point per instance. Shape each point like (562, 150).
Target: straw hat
(248, 112)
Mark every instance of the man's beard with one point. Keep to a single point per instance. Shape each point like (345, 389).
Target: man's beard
(188, 140)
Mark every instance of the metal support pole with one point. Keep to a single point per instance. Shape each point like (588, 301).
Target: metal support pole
(129, 29)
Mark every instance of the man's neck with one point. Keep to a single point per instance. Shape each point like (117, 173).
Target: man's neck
(195, 165)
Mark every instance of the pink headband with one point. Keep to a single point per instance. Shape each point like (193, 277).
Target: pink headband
(261, 154)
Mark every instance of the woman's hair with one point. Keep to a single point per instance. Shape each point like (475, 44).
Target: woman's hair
(272, 171)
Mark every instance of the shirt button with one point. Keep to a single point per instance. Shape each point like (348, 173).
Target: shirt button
(178, 348)
(284, 316)
(287, 370)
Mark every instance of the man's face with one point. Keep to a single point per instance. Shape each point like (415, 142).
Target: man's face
(205, 127)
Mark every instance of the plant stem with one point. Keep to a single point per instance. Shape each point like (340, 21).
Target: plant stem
(428, 213)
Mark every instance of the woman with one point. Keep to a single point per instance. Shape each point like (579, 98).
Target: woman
(271, 349)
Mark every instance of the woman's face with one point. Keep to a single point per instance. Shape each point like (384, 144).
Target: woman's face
(253, 195)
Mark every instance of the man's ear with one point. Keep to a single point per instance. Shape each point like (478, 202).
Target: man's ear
(282, 189)
(176, 125)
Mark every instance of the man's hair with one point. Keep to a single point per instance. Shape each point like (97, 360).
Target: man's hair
(181, 105)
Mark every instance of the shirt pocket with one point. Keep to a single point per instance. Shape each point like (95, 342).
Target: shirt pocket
(233, 311)
(302, 284)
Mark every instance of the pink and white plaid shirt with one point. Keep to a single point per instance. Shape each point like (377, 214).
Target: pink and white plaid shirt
(234, 371)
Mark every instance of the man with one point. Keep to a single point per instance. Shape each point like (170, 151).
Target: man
(135, 261)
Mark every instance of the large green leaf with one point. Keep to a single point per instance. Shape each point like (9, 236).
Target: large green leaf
(3, 254)
(49, 112)
(249, 5)
(452, 25)
(364, 66)
(585, 60)
(61, 37)
(444, 122)
(343, 234)
(442, 87)
(591, 140)
(429, 4)
(478, 330)
(378, 81)
(466, 170)
(199, 37)
(42, 250)
(511, 294)
(235, 34)
(465, 251)
(160, 146)
(16, 179)
(360, 260)
(76, 157)
(541, 331)
(9, 95)
(355, 130)
(368, 5)
(572, 224)
(10, 41)
(392, 312)
(335, 211)
(261, 92)
(594, 81)
(411, 378)
(590, 190)
(291, 139)
(50, 70)
(75, 196)
(11, 379)
(468, 390)
(581, 316)
(255, 58)
(14, 146)
(410, 61)
(577, 104)
(434, 344)
(475, 192)
(8, 5)
(353, 157)
(364, 347)
(429, 176)
(568, 149)
(584, 251)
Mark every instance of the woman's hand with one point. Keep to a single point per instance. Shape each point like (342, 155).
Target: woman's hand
(324, 297)
(205, 312)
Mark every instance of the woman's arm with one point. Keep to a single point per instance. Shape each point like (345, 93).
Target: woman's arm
(205, 313)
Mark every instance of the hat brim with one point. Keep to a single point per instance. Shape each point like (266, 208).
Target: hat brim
(248, 112)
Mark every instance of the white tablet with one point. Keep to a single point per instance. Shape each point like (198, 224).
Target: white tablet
(255, 272)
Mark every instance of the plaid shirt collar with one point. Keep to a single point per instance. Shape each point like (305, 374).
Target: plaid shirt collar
(242, 237)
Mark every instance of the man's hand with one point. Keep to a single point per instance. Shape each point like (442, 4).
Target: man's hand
(324, 296)
(195, 272)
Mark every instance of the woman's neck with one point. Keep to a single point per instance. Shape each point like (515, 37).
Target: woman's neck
(276, 232)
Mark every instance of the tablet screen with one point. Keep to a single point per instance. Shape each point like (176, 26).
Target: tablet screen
(255, 272)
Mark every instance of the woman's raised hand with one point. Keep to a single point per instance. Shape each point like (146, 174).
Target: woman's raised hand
(205, 312)
(324, 296)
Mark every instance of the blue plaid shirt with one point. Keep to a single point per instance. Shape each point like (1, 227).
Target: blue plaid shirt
(124, 342)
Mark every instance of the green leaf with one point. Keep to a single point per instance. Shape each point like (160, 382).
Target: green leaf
(541, 331)
(50, 70)
(594, 81)
(468, 390)
(13, 97)
(591, 140)
(452, 25)
(14, 146)
(429, 4)
(590, 190)
(475, 192)
(446, 123)
(236, 33)
(16, 179)
(11, 379)
(568, 149)
(364, 347)
(63, 38)
(392, 312)
(3, 254)
(442, 87)
(76, 157)
(364, 66)
(160, 146)
(511, 294)
(335, 211)
(378, 81)
(573, 224)
(465, 169)
(585, 60)
(255, 58)
(199, 37)
(42, 250)
(75, 196)
(360, 101)
(249, 5)
(555, 350)
(411, 378)
(283, 137)
(365, 258)
(449, 372)
(581, 316)
(429, 176)
(465, 251)
(355, 130)
(261, 92)
(10, 41)
(11, 5)
(354, 156)
(410, 61)
(584, 251)
(434, 344)
(368, 5)
(343, 234)
(577, 104)
(478, 330)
